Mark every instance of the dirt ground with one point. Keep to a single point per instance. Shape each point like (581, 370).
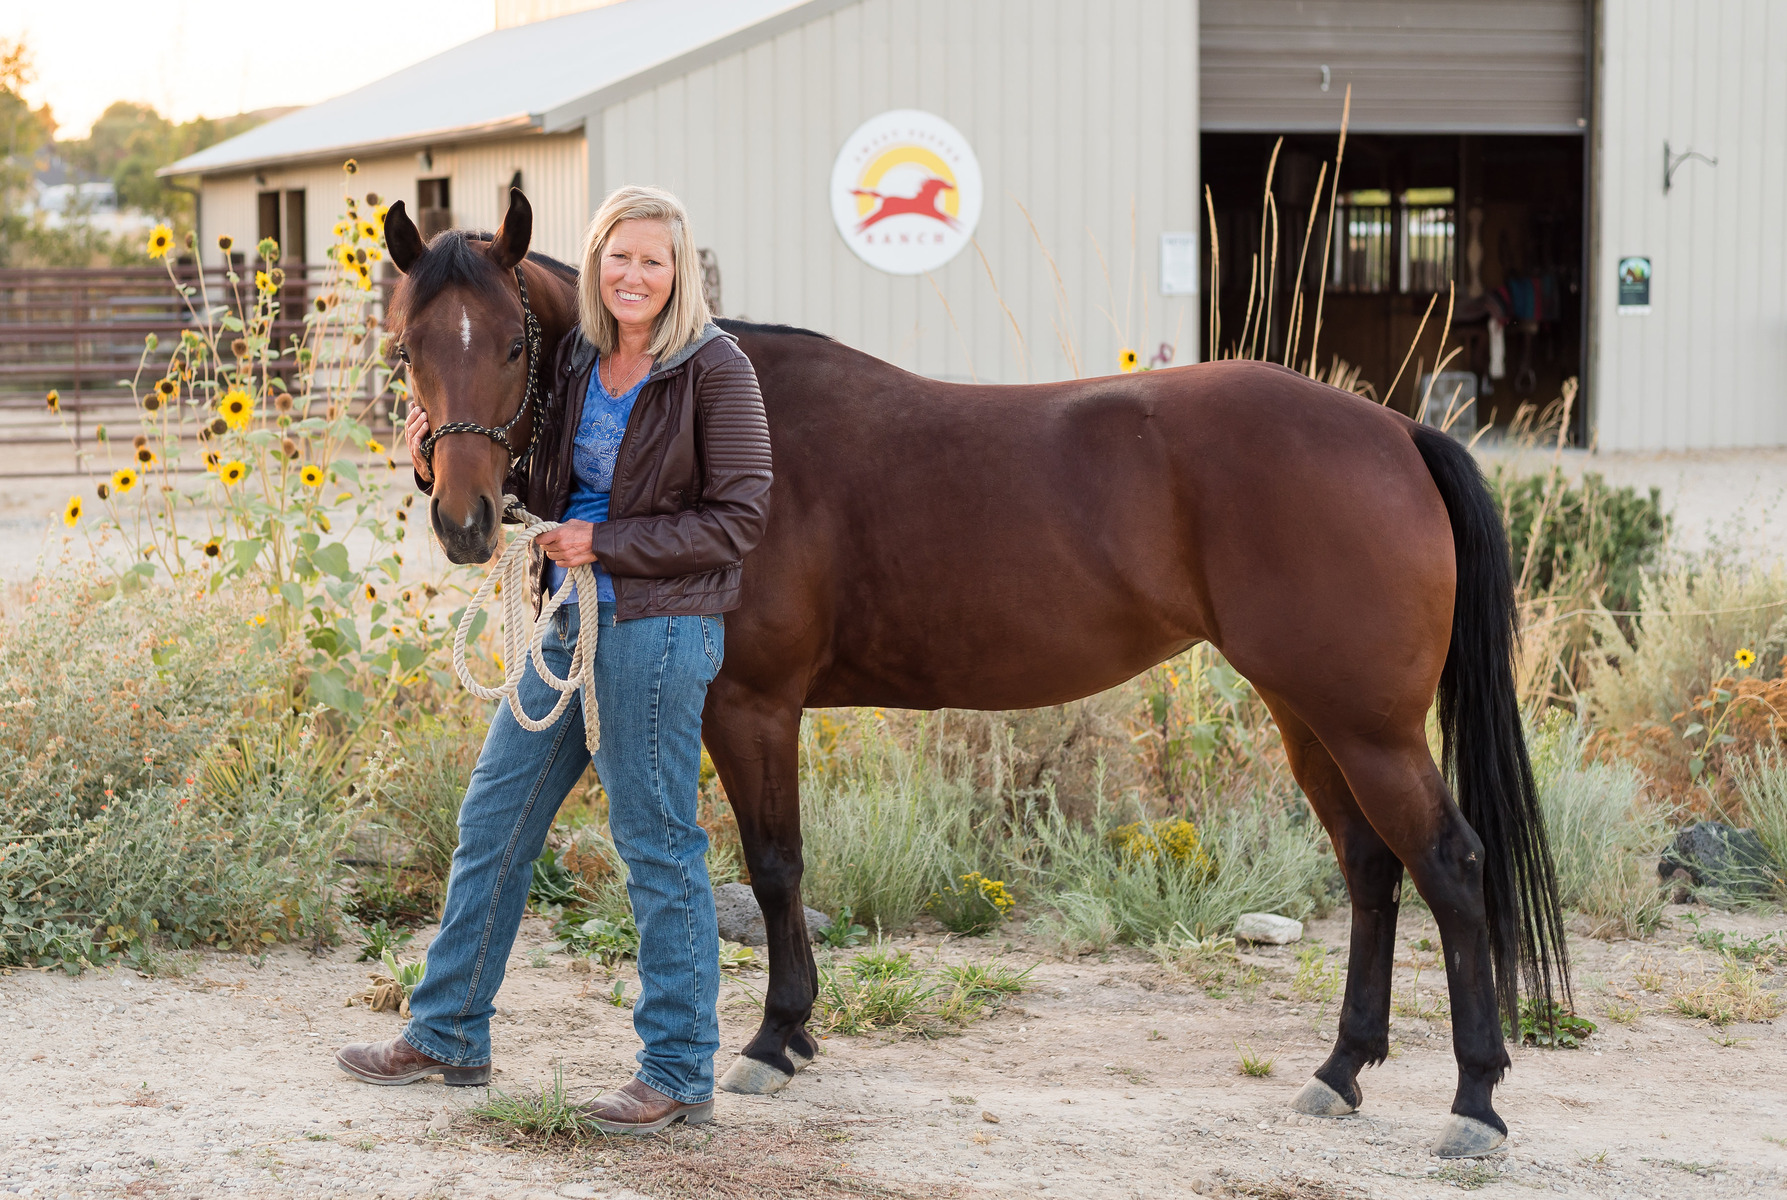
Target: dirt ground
(1111, 1078)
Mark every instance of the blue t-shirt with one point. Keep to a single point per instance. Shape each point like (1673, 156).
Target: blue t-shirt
(593, 455)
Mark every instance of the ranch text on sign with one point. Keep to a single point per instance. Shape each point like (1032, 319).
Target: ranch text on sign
(906, 192)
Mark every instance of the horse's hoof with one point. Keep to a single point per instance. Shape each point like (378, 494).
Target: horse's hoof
(799, 1060)
(1467, 1137)
(748, 1077)
(1317, 1099)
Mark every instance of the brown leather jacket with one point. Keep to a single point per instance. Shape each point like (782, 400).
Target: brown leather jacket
(691, 484)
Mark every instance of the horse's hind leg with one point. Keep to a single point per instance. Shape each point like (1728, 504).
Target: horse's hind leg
(754, 742)
(1373, 879)
(1401, 792)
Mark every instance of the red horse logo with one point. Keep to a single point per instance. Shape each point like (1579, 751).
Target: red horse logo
(922, 205)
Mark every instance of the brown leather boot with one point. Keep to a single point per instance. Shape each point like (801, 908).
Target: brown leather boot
(640, 1108)
(396, 1061)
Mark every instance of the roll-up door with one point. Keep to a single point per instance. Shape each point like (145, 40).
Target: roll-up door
(1416, 66)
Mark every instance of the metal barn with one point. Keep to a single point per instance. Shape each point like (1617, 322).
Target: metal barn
(1512, 151)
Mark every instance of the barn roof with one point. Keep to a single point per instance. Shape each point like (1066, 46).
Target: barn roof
(546, 77)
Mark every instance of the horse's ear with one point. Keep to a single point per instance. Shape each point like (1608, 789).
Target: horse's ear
(402, 238)
(509, 246)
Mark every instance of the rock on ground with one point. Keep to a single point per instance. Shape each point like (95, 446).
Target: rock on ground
(1717, 856)
(1270, 928)
(741, 918)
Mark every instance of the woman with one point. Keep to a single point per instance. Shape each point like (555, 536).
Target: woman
(654, 457)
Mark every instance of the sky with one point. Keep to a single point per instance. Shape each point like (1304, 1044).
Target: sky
(212, 58)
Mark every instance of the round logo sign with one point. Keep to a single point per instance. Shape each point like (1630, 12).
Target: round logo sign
(906, 192)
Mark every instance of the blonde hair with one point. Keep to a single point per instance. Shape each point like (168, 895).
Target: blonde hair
(686, 315)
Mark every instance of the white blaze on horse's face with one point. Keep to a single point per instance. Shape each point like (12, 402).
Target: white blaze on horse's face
(465, 329)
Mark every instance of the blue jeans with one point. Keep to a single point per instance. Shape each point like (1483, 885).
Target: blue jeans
(651, 682)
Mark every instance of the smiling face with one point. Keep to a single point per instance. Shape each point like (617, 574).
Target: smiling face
(638, 273)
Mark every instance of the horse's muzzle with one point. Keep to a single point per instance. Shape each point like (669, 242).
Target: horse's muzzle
(471, 538)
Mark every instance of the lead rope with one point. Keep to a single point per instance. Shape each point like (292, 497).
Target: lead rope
(510, 574)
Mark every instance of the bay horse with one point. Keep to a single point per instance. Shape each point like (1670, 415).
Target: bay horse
(995, 547)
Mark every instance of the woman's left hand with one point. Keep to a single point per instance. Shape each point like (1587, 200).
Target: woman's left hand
(570, 545)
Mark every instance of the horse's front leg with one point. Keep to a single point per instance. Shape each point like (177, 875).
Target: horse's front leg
(754, 742)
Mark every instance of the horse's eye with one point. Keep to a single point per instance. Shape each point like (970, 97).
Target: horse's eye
(515, 350)
(403, 354)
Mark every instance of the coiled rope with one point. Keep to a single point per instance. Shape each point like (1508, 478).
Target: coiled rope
(521, 641)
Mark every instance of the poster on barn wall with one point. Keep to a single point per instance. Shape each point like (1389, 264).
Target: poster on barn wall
(906, 192)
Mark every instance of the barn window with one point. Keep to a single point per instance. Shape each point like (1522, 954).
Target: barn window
(1401, 243)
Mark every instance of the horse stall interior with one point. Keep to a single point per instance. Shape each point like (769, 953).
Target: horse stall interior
(1498, 215)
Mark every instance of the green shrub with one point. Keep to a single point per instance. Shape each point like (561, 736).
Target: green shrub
(1761, 782)
(885, 830)
(1591, 529)
(1258, 859)
(146, 791)
(1604, 838)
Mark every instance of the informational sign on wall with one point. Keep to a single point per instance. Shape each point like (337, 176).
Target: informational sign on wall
(906, 192)
(1634, 286)
(1179, 264)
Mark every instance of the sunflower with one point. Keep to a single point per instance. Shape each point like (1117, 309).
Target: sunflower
(258, 620)
(374, 445)
(368, 230)
(1127, 359)
(371, 592)
(213, 460)
(343, 229)
(213, 549)
(378, 213)
(161, 240)
(104, 489)
(152, 402)
(53, 400)
(344, 254)
(123, 480)
(311, 476)
(167, 389)
(350, 166)
(145, 456)
(225, 242)
(263, 282)
(1745, 658)
(232, 472)
(237, 409)
(71, 513)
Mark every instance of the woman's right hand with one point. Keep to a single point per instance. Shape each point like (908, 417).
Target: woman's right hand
(415, 432)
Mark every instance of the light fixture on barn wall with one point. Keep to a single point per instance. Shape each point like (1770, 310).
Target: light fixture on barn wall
(1673, 162)
(260, 179)
(425, 159)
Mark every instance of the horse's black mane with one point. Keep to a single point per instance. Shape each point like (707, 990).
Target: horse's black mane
(453, 259)
(733, 326)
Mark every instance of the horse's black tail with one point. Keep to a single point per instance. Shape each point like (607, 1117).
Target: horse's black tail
(1485, 750)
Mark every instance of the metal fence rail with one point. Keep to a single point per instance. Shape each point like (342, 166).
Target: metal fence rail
(80, 331)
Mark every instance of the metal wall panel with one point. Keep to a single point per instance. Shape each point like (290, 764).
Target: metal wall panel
(1415, 66)
(1707, 368)
(1084, 112)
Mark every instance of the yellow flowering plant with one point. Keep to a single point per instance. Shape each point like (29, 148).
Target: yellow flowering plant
(242, 426)
(973, 905)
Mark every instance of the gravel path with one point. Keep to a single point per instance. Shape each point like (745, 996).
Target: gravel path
(1109, 1080)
